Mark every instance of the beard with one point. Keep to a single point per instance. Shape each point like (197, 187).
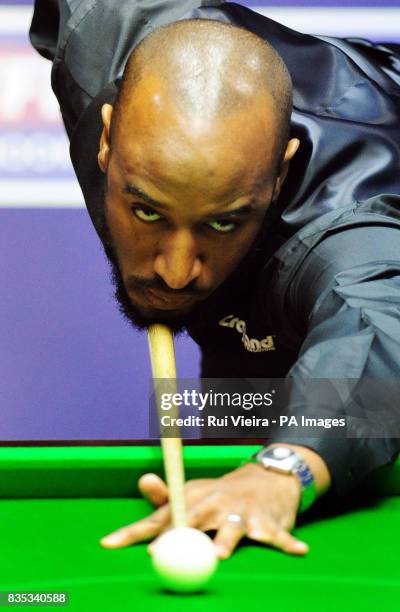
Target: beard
(135, 317)
(139, 320)
(176, 321)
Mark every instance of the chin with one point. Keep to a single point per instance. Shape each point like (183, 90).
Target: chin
(141, 316)
(176, 319)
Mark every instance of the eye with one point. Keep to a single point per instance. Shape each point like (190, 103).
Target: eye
(145, 214)
(222, 226)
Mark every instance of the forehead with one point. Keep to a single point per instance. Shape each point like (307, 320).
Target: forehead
(159, 142)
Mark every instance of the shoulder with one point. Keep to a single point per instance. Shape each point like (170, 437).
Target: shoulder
(347, 246)
(339, 225)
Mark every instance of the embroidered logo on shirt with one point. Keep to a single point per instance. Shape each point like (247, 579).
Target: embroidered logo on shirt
(250, 344)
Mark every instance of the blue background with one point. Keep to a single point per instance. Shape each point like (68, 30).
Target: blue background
(70, 367)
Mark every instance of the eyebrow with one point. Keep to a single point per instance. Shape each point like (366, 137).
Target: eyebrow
(136, 191)
(245, 209)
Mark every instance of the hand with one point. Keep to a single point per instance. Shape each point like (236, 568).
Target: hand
(266, 501)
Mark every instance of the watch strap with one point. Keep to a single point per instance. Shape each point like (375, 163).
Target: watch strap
(308, 488)
(301, 470)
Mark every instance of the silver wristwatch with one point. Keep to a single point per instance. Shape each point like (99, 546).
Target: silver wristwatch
(286, 461)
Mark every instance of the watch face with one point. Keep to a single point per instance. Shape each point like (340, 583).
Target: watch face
(286, 461)
(281, 452)
(279, 458)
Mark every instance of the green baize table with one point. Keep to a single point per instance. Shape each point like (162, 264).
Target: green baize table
(57, 502)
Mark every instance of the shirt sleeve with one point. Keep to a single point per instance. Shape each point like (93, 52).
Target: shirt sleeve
(346, 295)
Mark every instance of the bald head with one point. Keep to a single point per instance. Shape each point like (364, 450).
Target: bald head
(208, 71)
(194, 153)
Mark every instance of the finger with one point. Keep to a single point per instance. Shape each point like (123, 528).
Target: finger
(140, 531)
(210, 525)
(202, 512)
(228, 537)
(154, 489)
(197, 517)
(279, 538)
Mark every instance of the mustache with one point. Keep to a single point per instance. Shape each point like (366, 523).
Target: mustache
(157, 283)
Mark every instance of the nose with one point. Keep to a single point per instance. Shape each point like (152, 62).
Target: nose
(177, 260)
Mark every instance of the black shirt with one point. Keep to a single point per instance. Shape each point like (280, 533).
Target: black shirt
(318, 296)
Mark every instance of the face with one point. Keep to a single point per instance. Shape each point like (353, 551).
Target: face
(184, 200)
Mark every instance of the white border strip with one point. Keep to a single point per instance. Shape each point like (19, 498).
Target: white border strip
(365, 22)
(330, 21)
(41, 194)
(15, 19)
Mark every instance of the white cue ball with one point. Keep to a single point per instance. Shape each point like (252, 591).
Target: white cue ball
(185, 559)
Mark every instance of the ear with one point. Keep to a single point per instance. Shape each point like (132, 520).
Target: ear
(291, 149)
(103, 156)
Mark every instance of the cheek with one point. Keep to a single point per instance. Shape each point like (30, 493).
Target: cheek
(225, 258)
(132, 246)
(245, 239)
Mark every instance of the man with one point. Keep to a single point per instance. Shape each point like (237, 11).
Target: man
(182, 144)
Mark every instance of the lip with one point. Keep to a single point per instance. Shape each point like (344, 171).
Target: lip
(163, 301)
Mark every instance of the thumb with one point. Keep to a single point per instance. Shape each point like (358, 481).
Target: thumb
(154, 489)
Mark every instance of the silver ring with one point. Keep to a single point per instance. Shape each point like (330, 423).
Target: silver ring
(234, 518)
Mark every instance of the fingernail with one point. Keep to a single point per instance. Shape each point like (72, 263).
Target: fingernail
(301, 546)
(222, 552)
(112, 539)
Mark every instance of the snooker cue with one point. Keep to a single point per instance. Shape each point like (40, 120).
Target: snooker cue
(162, 356)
